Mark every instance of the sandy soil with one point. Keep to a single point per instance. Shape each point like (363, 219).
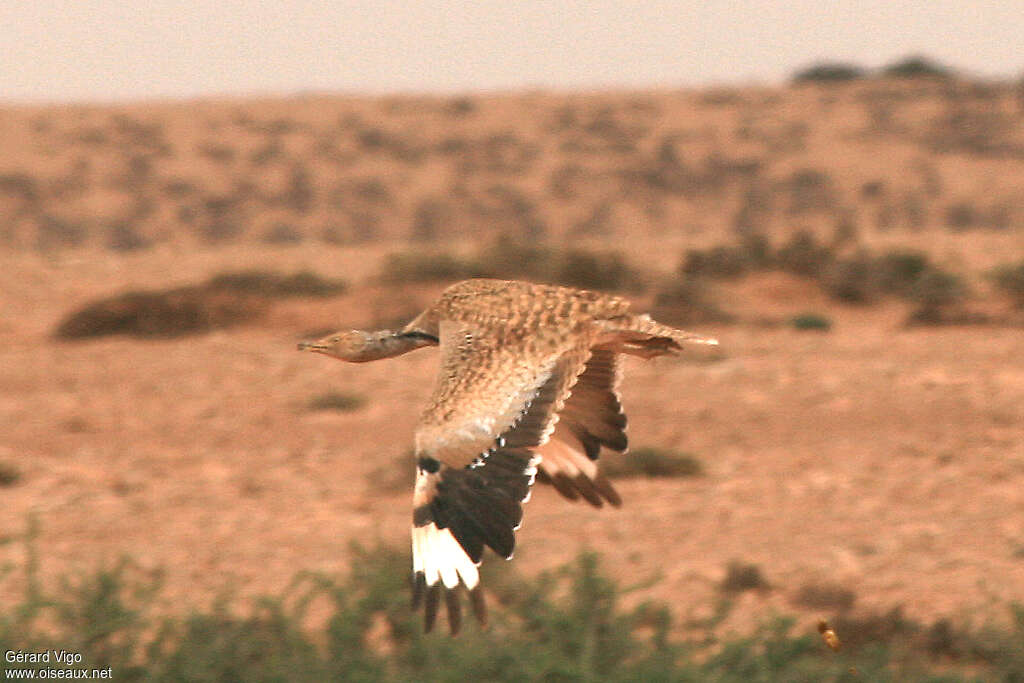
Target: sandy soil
(884, 459)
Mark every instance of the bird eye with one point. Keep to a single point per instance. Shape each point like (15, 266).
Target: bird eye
(335, 340)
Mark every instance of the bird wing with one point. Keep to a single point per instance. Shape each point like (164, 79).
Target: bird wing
(496, 402)
(591, 418)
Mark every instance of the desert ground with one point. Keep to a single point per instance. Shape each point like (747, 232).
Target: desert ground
(877, 457)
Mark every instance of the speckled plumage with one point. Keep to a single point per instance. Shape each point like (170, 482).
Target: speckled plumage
(527, 389)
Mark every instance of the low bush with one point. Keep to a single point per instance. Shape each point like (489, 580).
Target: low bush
(811, 321)
(652, 462)
(743, 576)
(225, 300)
(565, 625)
(829, 72)
(511, 259)
(336, 401)
(1009, 278)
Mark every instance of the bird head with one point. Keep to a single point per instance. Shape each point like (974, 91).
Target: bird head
(354, 346)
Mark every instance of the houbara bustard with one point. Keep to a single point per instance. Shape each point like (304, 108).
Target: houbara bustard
(528, 389)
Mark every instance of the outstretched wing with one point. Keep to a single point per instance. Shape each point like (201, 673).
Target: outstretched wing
(591, 418)
(496, 402)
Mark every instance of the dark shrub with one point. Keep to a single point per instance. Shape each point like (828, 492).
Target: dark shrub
(303, 283)
(1010, 279)
(916, 66)
(825, 596)
(811, 321)
(850, 280)
(170, 313)
(687, 301)
(897, 271)
(803, 255)
(829, 72)
(336, 401)
(9, 474)
(741, 576)
(717, 262)
(419, 266)
(652, 462)
(123, 236)
(282, 233)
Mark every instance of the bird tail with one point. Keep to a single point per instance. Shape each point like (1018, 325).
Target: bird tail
(645, 337)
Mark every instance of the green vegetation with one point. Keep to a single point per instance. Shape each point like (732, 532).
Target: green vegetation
(811, 321)
(565, 625)
(653, 462)
(742, 576)
(9, 474)
(337, 401)
(1009, 278)
(829, 72)
(860, 277)
(917, 67)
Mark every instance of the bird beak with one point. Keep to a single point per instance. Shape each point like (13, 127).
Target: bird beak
(311, 346)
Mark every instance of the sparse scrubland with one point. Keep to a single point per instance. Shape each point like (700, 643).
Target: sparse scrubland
(856, 240)
(569, 623)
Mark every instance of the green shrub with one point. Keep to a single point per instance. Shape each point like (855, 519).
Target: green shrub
(1009, 278)
(811, 321)
(565, 625)
(225, 300)
(9, 474)
(742, 576)
(916, 67)
(822, 596)
(897, 271)
(336, 401)
(829, 72)
(803, 255)
(725, 262)
(653, 462)
(850, 280)
(687, 301)
(167, 313)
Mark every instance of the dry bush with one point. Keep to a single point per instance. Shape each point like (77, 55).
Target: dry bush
(303, 283)
(125, 236)
(688, 301)
(1009, 277)
(281, 233)
(511, 259)
(917, 66)
(168, 313)
(811, 321)
(811, 190)
(824, 596)
(10, 475)
(225, 300)
(652, 462)
(829, 72)
(425, 266)
(743, 576)
(336, 401)
(57, 232)
(803, 255)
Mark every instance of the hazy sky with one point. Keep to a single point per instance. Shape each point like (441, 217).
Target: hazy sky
(134, 49)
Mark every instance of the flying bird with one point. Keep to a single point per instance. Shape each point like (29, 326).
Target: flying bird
(527, 390)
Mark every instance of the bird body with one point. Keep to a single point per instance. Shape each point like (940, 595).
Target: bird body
(527, 390)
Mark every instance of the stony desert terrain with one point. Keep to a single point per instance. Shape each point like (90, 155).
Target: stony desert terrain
(876, 457)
